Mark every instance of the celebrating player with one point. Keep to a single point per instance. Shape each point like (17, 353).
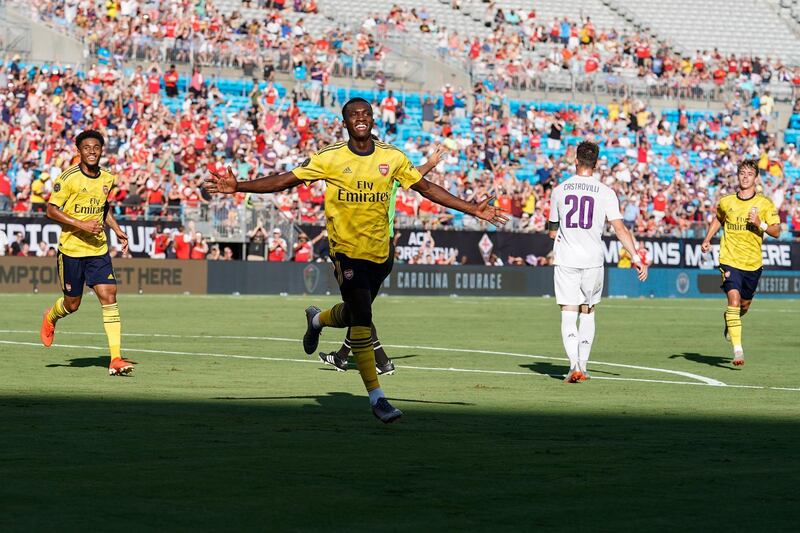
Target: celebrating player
(79, 203)
(746, 216)
(360, 174)
(579, 208)
(383, 364)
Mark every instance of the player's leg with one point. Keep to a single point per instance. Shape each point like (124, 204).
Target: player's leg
(71, 278)
(592, 291)
(383, 364)
(568, 297)
(100, 277)
(733, 321)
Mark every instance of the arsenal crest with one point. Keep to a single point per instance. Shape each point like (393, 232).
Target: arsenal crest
(310, 277)
(105, 190)
(383, 168)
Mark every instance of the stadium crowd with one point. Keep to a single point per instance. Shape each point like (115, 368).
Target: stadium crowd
(198, 32)
(669, 169)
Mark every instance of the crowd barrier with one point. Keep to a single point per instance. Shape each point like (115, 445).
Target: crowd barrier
(166, 276)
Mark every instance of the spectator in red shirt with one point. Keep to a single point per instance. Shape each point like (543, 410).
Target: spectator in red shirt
(6, 195)
(276, 247)
(199, 246)
(161, 241)
(183, 244)
(171, 82)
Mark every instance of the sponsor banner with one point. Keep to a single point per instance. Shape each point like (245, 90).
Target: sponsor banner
(318, 278)
(37, 229)
(471, 247)
(694, 283)
(147, 276)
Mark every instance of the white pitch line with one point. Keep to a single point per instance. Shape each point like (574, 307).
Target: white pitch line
(702, 379)
(437, 369)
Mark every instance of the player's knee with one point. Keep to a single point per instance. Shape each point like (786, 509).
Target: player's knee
(72, 305)
(361, 317)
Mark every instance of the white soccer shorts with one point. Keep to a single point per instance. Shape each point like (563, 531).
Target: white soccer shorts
(578, 286)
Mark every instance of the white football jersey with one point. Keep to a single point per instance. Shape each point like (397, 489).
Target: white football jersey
(581, 206)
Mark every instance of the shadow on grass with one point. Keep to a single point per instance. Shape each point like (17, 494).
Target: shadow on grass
(336, 400)
(210, 465)
(559, 371)
(82, 362)
(710, 360)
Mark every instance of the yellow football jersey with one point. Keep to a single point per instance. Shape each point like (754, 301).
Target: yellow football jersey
(740, 246)
(84, 198)
(359, 190)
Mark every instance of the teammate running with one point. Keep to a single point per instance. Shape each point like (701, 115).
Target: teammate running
(80, 204)
(579, 208)
(747, 216)
(360, 174)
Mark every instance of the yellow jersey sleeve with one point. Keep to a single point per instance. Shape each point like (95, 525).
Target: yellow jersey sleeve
(314, 168)
(407, 174)
(768, 212)
(721, 210)
(61, 192)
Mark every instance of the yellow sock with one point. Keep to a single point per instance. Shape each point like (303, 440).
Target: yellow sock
(361, 344)
(333, 317)
(734, 322)
(57, 311)
(111, 322)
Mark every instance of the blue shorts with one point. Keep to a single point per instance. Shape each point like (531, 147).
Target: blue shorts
(74, 272)
(744, 281)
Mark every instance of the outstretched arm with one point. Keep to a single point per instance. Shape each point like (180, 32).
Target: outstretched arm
(228, 184)
(481, 210)
(626, 239)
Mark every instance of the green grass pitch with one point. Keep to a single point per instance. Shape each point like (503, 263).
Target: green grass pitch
(227, 425)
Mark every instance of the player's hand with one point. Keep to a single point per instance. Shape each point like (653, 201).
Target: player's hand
(438, 154)
(490, 213)
(752, 217)
(224, 183)
(95, 227)
(641, 271)
(122, 237)
(705, 247)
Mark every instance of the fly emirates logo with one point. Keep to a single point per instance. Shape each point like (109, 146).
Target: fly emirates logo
(364, 195)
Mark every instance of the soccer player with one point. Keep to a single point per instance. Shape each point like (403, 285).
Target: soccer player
(360, 174)
(579, 208)
(79, 203)
(746, 217)
(383, 364)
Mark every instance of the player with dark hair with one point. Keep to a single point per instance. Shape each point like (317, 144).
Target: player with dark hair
(746, 217)
(79, 203)
(579, 208)
(360, 174)
(383, 364)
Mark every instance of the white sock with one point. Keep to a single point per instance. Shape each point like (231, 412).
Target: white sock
(375, 395)
(585, 337)
(315, 322)
(569, 334)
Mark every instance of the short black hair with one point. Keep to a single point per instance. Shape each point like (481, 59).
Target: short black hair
(356, 100)
(586, 154)
(89, 134)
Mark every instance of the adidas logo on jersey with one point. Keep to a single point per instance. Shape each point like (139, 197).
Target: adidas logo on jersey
(84, 190)
(347, 170)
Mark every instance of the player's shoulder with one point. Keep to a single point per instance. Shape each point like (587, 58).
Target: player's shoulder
(69, 172)
(765, 200)
(728, 199)
(107, 173)
(331, 149)
(389, 148)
